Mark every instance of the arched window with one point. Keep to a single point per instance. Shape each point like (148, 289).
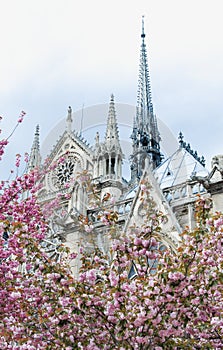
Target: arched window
(112, 165)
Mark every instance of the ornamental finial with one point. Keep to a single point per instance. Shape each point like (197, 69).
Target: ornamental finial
(69, 119)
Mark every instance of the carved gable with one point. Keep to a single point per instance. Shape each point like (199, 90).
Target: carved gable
(69, 156)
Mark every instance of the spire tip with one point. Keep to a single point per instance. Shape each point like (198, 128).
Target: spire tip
(143, 32)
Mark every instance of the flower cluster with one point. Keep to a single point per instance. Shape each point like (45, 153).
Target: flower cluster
(136, 296)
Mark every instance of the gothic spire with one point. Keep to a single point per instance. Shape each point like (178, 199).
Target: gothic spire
(145, 134)
(34, 159)
(112, 135)
(144, 97)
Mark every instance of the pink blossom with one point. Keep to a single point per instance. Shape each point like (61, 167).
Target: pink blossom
(137, 241)
(143, 187)
(88, 228)
(22, 114)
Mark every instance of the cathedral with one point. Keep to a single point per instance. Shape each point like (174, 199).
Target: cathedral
(175, 180)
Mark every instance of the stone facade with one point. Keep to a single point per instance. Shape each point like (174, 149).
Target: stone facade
(175, 181)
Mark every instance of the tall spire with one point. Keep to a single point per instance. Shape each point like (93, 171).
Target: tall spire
(144, 97)
(34, 159)
(145, 134)
(112, 135)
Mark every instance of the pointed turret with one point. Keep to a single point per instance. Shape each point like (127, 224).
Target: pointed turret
(145, 134)
(34, 159)
(108, 155)
(112, 136)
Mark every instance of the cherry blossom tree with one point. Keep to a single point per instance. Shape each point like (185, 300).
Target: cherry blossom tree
(173, 300)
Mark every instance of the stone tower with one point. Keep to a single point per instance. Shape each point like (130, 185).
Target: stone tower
(108, 156)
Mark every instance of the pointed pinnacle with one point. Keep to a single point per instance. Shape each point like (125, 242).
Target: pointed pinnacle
(112, 127)
(36, 138)
(34, 159)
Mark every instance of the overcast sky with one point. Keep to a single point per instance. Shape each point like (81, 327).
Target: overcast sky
(56, 53)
